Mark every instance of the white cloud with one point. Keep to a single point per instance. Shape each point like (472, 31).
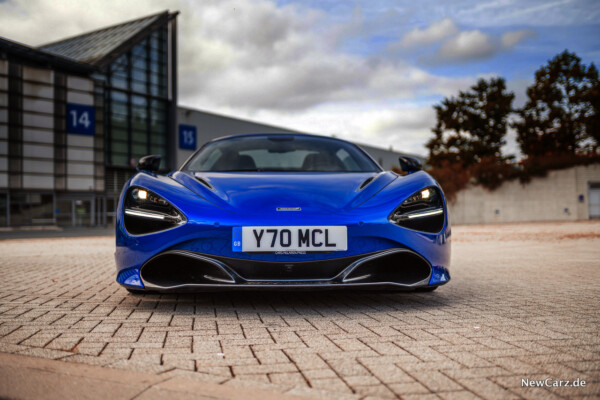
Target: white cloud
(292, 64)
(275, 64)
(519, 88)
(475, 45)
(35, 22)
(511, 39)
(451, 45)
(403, 126)
(467, 46)
(432, 34)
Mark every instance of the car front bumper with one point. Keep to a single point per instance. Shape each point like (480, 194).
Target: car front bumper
(208, 236)
(182, 270)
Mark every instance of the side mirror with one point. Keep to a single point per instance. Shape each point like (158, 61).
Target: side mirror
(149, 163)
(409, 164)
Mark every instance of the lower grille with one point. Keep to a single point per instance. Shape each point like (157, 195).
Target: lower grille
(254, 270)
(178, 269)
(400, 267)
(173, 269)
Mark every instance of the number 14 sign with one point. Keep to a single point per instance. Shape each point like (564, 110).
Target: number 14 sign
(80, 119)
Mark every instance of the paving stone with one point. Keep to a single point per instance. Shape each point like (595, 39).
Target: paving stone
(402, 389)
(522, 304)
(376, 391)
(430, 396)
(487, 389)
(436, 381)
(331, 384)
(288, 378)
(264, 369)
(459, 395)
(271, 357)
(312, 374)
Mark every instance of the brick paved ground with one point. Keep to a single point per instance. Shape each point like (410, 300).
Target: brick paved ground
(523, 303)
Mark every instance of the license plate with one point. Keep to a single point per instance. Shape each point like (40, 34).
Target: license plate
(289, 238)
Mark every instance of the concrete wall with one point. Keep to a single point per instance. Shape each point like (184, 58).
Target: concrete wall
(211, 126)
(555, 197)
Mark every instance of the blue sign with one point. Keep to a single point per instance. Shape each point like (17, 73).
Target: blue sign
(81, 119)
(187, 137)
(237, 238)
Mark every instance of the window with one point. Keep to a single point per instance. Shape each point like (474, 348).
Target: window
(64, 212)
(347, 159)
(136, 101)
(118, 82)
(31, 209)
(3, 204)
(281, 153)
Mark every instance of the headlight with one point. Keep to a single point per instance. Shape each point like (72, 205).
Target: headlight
(423, 211)
(146, 212)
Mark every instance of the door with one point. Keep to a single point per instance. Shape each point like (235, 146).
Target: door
(594, 197)
(83, 212)
(75, 210)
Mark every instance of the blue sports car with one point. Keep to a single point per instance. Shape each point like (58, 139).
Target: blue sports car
(282, 210)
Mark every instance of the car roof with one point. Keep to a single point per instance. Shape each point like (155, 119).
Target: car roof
(308, 135)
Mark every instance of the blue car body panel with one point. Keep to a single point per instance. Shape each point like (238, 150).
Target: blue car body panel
(251, 199)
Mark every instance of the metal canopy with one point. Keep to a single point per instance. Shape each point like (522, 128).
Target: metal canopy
(102, 46)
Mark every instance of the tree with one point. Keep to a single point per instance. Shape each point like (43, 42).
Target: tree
(592, 123)
(559, 114)
(471, 126)
(469, 135)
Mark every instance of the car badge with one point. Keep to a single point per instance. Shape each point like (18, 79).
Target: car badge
(289, 209)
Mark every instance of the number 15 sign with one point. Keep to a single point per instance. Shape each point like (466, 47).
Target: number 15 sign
(80, 119)
(187, 137)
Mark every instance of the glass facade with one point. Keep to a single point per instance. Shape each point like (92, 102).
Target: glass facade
(124, 73)
(3, 209)
(31, 209)
(136, 99)
(63, 211)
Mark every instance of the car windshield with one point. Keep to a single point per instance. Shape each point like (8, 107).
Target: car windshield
(280, 153)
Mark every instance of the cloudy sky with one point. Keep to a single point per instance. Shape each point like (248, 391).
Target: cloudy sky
(366, 71)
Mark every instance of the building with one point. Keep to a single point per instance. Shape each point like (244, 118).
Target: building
(197, 126)
(74, 115)
(77, 114)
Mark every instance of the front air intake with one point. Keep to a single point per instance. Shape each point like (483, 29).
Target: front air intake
(176, 269)
(401, 267)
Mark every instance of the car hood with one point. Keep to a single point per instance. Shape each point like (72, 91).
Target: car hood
(255, 193)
